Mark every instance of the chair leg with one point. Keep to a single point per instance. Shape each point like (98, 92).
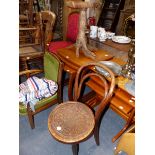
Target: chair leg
(70, 86)
(96, 135)
(30, 117)
(75, 149)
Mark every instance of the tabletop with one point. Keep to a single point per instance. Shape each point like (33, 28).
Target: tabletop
(68, 56)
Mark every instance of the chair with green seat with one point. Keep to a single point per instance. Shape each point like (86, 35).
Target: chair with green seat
(53, 68)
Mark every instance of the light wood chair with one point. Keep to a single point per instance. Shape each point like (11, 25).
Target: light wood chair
(72, 122)
(32, 39)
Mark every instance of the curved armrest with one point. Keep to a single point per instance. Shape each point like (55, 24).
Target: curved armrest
(32, 72)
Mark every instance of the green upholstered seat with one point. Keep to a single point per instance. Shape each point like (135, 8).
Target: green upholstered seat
(23, 109)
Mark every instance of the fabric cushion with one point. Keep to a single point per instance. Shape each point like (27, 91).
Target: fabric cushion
(35, 89)
(55, 45)
(23, 109)
(73, 27)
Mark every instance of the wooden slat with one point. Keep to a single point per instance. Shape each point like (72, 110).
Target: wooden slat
(25, 45)
(27, 28)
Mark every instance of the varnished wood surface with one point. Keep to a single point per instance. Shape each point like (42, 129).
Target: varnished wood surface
(68, 56)
(122, 102)
(109, 42)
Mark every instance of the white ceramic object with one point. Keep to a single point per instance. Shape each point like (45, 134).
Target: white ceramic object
(93, 31)
(116, 68)
(109, 35)
(101, 34)
(121, 39)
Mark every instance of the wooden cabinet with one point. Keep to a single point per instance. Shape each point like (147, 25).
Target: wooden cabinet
(110, 14)
(129, 8)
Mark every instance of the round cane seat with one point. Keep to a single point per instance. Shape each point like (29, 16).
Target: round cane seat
(71, 122)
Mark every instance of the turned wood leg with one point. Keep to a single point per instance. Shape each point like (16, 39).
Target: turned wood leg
(30, 117)
(128, 123)
(70, 86)
(75, 149)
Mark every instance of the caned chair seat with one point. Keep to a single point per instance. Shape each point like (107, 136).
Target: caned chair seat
(71, 122)
(30, 52)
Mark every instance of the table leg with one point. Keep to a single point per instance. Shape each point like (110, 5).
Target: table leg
(128, 123)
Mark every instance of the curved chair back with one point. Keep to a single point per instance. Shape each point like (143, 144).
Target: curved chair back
(86, 72)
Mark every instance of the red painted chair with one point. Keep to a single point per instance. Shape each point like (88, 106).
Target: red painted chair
(72, 31)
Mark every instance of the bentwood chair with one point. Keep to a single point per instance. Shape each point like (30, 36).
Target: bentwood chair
(52, 71)
(33, 38)
(72, 122)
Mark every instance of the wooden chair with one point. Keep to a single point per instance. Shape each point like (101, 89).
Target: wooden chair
(32, 39)
(71, 35)
(53, 71)
(72, 122)
(70, 28)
